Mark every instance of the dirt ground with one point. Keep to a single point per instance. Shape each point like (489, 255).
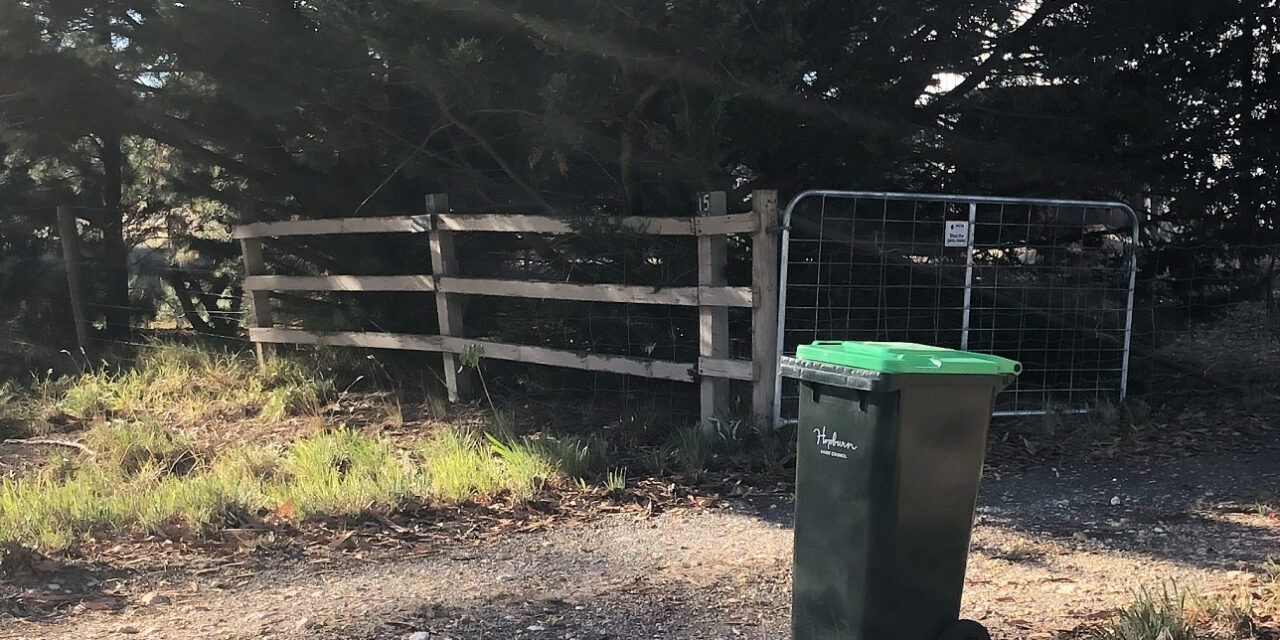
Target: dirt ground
(1054, 549)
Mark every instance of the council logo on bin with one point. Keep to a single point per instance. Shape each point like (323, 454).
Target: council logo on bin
(828, 445)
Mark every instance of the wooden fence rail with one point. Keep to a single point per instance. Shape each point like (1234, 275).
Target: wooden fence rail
(496, 222)
(713, 369)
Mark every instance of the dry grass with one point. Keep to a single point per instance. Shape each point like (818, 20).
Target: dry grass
(29, 409)
(1245, 341)
(179, 384)
(174, 385)
(1175, 613)
(173, 450)
(143, 480)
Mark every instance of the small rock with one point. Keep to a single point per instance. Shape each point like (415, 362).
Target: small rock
(128, 629)
(1157, 530)
(304, 624)
(153, 598)
(419, 635)
(1115, 501)
(53, 586)
(536, 627)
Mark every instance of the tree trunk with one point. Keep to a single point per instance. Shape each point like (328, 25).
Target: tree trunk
(115, 273)
(183, 292)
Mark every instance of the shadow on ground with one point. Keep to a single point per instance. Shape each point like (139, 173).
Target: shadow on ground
(1185, 511)
(1195, 511)
(38, 593)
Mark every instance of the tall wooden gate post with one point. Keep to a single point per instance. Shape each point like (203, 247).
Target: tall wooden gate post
(444, 262)
(713, 320)
(764, 292)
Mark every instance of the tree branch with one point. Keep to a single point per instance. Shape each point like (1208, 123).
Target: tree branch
(56, 443)
(488, 149)
(627, 144)
(1015, 42)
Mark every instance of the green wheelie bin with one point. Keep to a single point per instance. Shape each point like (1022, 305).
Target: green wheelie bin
(891, 443)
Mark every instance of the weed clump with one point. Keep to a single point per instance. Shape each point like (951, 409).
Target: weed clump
(1181, 614)
(181, 384)
(461, 467)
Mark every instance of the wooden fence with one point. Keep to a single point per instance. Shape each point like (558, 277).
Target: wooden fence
(712, 371)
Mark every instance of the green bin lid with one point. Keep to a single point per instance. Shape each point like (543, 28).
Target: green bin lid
(905, 357)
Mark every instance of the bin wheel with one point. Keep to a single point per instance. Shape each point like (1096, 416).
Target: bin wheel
(965, 630)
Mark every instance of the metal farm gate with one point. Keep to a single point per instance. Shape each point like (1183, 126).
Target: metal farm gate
(1048, 283)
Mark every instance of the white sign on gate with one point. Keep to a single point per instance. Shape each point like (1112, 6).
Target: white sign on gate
(957, 233)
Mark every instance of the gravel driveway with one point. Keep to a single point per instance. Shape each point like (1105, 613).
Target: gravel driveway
(1053, 549)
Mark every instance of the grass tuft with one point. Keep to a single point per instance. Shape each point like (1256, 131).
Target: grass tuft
(131, 446)
(458, 467)
(174, 383)
(27, 409)
(524, 468)
(143, 472)
(461, 467)
(692, 450)
(147, 481)
(616, 480)
(1159, 616)
(576, 456)
(1181, 614)
(343, 473)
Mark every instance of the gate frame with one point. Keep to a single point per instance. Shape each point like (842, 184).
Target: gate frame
(972, 201)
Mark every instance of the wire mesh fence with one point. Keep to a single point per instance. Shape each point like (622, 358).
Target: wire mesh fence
(37, 320)
(1047, 283)
(173, 278)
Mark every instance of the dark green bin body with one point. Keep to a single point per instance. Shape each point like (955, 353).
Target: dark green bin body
(886, 484)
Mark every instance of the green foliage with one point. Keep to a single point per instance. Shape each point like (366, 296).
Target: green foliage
(1184, 614)
(1161, 616)
(658, 460)
(524, 467)
(460, 467)
(143, 480)
(576, 456)
(181, 383)
(692, 450)
(21, 407)
(133, 447)
(616, 480)
(147, 117)
(344, 473)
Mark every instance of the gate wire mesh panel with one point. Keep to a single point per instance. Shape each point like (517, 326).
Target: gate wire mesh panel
(1046, 283)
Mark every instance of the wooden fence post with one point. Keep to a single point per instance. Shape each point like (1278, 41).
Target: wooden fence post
(713, 320)
(255, 265)
(764, 291)
(71, 263)
(444, 262)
